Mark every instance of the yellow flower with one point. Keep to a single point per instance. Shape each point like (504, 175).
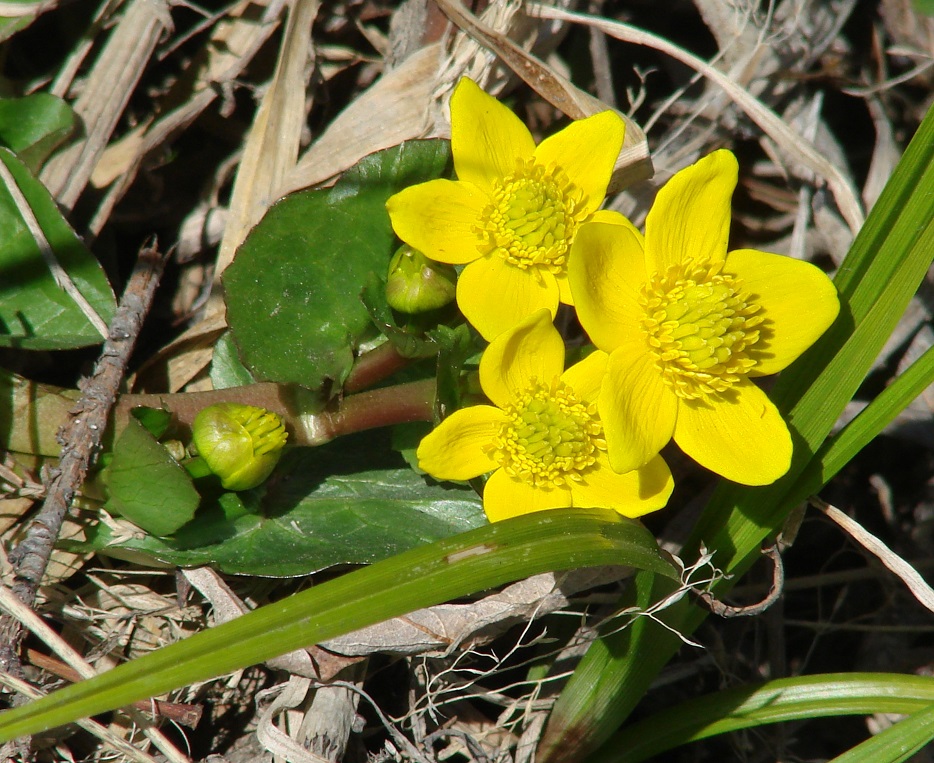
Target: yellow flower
(513, 211)
(543, 438)
(686, 324)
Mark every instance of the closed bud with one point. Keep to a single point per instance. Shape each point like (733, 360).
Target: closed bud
(240, 443)
(416, 284)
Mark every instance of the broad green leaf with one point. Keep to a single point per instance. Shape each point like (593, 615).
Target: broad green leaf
(146, 485)
(883, 269)
(317, 510)
(465, 564)
(786, 699)
(34, 126)
(35, 313)
(293, 290)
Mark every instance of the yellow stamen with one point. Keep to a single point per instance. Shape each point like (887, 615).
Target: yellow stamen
(700, 323)
(532, 218)
(550, 437)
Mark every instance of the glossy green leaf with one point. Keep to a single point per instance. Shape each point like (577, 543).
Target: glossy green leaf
(146, 485)
(474, 561)
(317, 510)
(34, 126)
(787, 699)
(35, 313)
(293, 290)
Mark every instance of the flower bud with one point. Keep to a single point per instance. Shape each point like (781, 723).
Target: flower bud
(416, 284)
(240, 443)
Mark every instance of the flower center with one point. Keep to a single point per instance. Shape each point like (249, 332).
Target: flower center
(532, 218)
(700, 323)
(550, 437)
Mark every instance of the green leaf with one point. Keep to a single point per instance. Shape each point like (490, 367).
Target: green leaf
(786, 699)
(293, 289)
(897, 743)
(316, 511)
(488, 556)
(34, 126)
(226, 368)
(35, 313)
(146, 485)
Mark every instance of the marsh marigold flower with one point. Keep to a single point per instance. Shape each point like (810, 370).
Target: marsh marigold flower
(687, 323)
(542, 438)
(514, 209)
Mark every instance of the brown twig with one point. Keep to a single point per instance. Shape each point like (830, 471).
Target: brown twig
(778, 582)
(81, 439)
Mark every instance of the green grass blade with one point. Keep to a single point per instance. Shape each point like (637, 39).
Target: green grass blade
(457, 566)
(897, 743)
(837, 451)
(882, 271)
(789, 699)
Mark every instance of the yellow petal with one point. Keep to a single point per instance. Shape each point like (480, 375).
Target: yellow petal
(586, 150)
(438, 218)
(740, 436)
(530, 351)
(799, 302)
(454, 449)
(586, 377)
(505, 497)
(606, 271)
(636, 407)
(494, 295)
(487, 139)
(613, 217)
(631, 494)
(691, 214)
(564, 289)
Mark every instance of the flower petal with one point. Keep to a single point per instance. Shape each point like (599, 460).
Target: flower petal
(799, 302)
(636, 407)
(740, 435)
(587, 151)
(690, 218)
(494, 295)
(631, 494)
(454, 450)
(505, 497)
(438, 218)
(586, 376)
(615, 218)
(530, 351)
(487, 139)
(606, 271)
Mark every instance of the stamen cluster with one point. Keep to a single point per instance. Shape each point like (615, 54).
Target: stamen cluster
(699, 323)
(533, 216)
(550, 436)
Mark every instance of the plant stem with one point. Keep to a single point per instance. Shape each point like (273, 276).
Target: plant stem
(301, 409)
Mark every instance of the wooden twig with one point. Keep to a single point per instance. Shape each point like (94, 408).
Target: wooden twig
(778, 583)
(81, 439)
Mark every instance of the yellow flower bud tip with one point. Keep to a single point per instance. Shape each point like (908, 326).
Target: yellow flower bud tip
(241, 444)
(416, 284)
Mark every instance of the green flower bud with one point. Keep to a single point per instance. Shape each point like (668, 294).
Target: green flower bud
(417, 284)
(240, 443)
